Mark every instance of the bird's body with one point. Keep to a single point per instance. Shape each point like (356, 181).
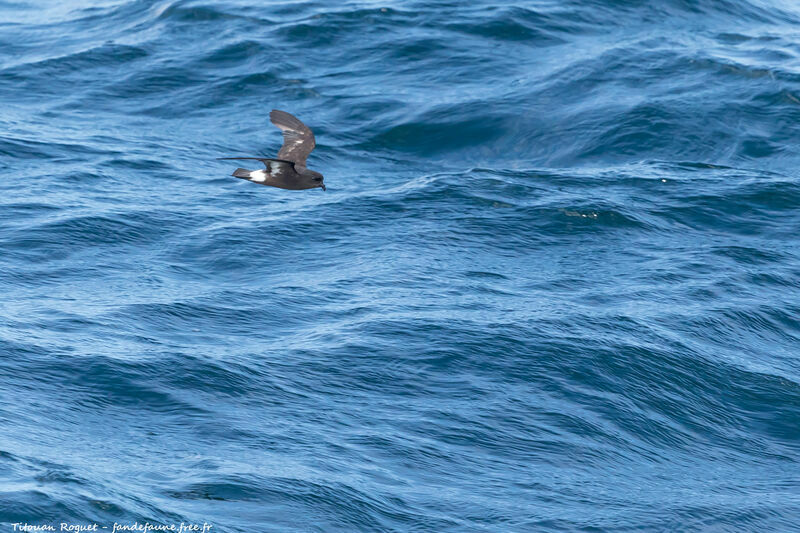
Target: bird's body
(288, 170)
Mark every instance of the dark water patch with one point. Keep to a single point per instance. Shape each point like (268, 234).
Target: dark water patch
(138, 164)
(750, 255)
(77, 64)
(34, 507)
(35, 149)
(770, 279)
(97, 383)
(180, 316)
(230, 491)
(748, 208)
(430, 134)
(233, 55)
(19, 212)
(488, 275)
(162, 81)
(339, 25)
(304, 496)
(184, 12)
(91, 231)
(513, 24)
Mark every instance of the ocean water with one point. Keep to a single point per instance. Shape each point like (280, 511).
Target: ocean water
(553, 285)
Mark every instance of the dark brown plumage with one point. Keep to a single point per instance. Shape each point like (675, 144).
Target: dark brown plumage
(288, 170)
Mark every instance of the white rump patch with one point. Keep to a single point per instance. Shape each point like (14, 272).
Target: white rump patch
(258, 175)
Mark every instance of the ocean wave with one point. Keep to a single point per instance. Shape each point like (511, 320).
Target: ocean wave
(552, 283)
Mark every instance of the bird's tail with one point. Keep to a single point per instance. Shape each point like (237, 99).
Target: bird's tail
(242, 173)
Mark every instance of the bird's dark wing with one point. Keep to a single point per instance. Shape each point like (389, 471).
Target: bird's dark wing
(264, 160)
(298, 139)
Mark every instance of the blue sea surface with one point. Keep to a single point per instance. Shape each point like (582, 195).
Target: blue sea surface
(553, 285)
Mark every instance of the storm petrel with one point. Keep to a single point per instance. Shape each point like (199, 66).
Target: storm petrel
(288, 170)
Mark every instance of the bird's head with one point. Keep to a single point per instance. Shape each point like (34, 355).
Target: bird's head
(317, 178)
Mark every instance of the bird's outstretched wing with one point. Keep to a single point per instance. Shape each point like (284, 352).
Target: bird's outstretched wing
(298, 139)
(265, 160)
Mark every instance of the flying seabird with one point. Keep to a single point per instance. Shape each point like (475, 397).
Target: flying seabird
(288, 170)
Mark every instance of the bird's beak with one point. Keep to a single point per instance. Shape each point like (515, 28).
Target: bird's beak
(323, 186)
